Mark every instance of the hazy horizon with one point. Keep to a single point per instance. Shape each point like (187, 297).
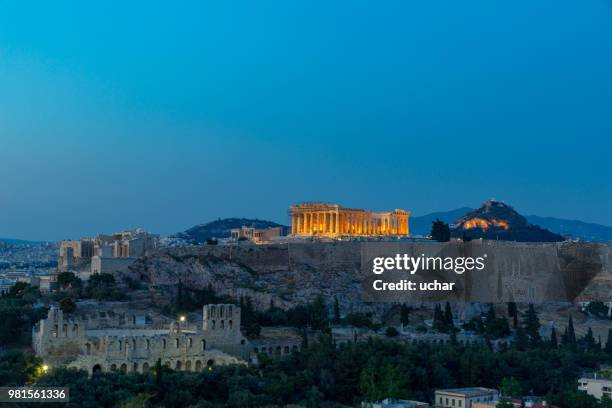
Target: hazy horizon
(165, 116)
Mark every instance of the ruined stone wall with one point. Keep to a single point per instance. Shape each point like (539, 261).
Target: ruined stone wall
(108, 341)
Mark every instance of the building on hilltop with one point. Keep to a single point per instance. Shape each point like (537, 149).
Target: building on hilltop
(105, 253)
(332, 220)
(256, 235)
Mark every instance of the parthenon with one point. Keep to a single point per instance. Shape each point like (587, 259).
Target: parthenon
(331, 220)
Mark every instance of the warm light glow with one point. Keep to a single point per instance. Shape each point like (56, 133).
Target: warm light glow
(333, 221)
(182, 318)
(45, 368)
(484, 224)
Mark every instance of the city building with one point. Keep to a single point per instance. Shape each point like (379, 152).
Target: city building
(597, 387)
(395, 403)
(464, 397)
(332, 220)
(257, 235)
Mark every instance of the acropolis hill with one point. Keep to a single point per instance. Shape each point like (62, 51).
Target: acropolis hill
(296, 272)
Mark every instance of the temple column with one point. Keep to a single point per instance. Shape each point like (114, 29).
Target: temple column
(336, 224)
(293, 223)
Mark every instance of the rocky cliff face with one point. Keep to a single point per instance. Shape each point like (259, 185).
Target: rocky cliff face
(291, 274)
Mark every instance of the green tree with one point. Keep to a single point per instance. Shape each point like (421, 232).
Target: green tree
(67, 305)
(404, 315)
(448, 316)
(510, 387)
(571, 333)
(531, 323)
(521, 340)
(608, 347)
(391, 332)
(553, 339)
(318, 316)
(440, 231)
(439, 322)
(589, 341)
(336, 310)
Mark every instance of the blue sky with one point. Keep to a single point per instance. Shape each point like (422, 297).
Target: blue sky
(168, 114)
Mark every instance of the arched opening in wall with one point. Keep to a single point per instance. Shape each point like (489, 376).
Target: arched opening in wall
(203, 344)
(256, 350)
(145, 367)
(134, 344)
(222, 324)
(87, 348)
(210, 363)
(278, 350)
(167, 364)
(55, 329)
(124, 368)
(148, 344)
(286, 350)
(96, 369)
(163, 343)
(65, 329)
(230, 312)
(75, 328)
(230, 324)
(242, 341)
(113, 367)
(176, 343)
(135, 367)
(214, 324)
(221, 308)
(187, 365)
(198, 365)
(178, 366)
(120, 345)
(295, 348)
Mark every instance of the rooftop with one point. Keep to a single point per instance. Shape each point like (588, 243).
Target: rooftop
(468, 392)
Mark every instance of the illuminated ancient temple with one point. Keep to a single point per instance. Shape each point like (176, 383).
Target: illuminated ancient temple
(324, 219)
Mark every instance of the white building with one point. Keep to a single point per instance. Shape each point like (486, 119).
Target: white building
(464, 397)
(597, 387)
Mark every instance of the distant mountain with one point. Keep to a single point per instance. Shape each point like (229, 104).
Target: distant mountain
(586, 231)
(18, 241)
(422, 225)
(577, 229)
(221, 228)
(497, 220)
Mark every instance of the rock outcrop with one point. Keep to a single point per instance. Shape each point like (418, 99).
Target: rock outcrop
(290, 274)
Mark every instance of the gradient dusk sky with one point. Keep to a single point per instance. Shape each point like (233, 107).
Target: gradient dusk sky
(168, 114)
